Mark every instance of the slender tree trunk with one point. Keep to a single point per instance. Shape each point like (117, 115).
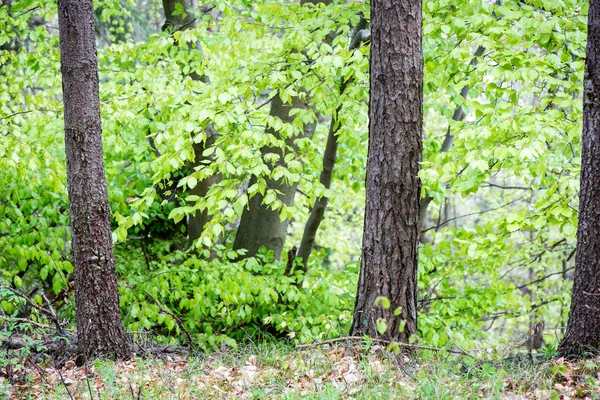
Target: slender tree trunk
(391, 231)
(583, 328)
(318, 211)
(459, 115)
(99, 327)
(260, 225)
(196, 221)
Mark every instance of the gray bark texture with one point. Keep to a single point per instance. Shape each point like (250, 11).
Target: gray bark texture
(178, 21)
(99, 328)
(391, 230)
(196, 221)
(583, 328)
(259, 225)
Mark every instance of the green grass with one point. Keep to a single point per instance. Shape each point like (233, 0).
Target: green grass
(326, 372)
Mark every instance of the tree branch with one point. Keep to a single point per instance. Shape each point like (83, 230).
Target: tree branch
(471, 214)
(49, 313)
(543, 278)
(17, 113)
(28, 300)
(489, 184)
(175, 317)
(361, 338)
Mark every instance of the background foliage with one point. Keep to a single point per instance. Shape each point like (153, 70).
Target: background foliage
(500, 233)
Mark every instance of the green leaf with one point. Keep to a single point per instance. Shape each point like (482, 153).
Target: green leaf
(383, 301)
(381, 326)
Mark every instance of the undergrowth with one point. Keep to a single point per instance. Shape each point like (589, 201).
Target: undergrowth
(275, 370)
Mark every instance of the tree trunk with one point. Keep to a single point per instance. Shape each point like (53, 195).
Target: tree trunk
(459, 115)
(260, 225)
(318, 211)
(391, 230)
(583, 328)
(196, 221)
(99, 328)
(13, 44)
(185, 20)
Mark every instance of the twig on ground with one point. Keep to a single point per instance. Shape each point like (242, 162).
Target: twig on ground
(87, 380)
(400, 363)
(30, 322)
(131, 390)
(59, 327)
(29, 301)
(407, 345)
(175, 317)
(62, 379)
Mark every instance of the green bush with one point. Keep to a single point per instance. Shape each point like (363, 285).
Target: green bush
(223, 300)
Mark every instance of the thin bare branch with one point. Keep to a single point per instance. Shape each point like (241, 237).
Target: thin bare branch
(362, 338)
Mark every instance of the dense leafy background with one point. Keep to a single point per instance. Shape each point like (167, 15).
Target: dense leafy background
(501, 223)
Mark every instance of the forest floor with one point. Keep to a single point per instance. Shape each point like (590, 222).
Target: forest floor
(344, 371)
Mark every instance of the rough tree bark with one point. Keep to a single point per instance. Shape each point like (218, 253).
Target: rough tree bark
(99, 328)
(583, 328)
(391, 229)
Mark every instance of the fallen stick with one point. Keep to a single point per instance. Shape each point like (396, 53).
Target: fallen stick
(407, 345)
(175, 317)
(57, 369)
(59, 327)
(36, 324)
(41, 309)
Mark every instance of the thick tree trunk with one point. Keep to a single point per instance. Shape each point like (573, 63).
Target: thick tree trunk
(260, 225)
(99, 327)
(583, 328)
(391, 231)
